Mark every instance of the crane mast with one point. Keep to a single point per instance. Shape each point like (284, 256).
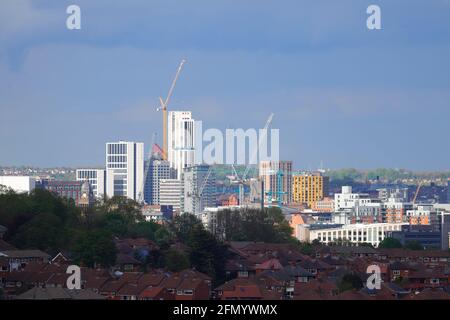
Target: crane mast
(164, 104)
(251, 160)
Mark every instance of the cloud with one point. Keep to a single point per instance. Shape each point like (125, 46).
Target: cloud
(20, 18)
(63, 94)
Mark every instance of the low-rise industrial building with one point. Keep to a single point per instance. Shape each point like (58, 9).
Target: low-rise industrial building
(372, 233)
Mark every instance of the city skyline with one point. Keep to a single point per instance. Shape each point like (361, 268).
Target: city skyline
(349, 97)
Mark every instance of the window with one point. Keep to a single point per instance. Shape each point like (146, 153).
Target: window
(243, 274)
(396, 272)
(303, 279)
(434, 281)
(188, 292)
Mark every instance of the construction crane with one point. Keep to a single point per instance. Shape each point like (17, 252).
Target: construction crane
(252, 159)
(240, 183)
(278, 193)
(417, 192)
(199, 194)
(165, 103)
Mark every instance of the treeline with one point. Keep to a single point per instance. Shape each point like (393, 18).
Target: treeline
(267, 225)
(384, 174)
(44, 221)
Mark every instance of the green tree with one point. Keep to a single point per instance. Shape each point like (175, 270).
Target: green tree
(95, 248)
(206, 254)
(126, 207)
(305, 248)
(267, 225)
(144, 229)
(116, 223)
(44, 231)
(350, 281)
(389, 243)
(175, 260)
(182, 225)
(163, 237)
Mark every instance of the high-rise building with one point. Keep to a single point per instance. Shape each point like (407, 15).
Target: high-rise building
(181, 152)
(443, 222)
(125, 169)
(394, 210)
(170, 193)
(349, 200)
(309, 187)
(445, 230)
(255, 190)
(157, 169)
(270, 172)
(419, 214)
(194, 199)
(96, 178)
(352, 207)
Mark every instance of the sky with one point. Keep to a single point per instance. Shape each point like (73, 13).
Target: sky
(341, 94)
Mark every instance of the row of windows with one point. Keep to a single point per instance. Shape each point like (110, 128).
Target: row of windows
(349, 233)
(63, 187)
(117, 148)
(87, 174)
(359, 239)
(117, 158)
(71, 194)
(116, 165)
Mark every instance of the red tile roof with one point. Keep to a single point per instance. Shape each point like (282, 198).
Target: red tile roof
(271, 264)
(151, 292)
(243, 292)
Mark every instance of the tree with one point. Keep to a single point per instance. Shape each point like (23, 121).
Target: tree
(175, 260)
(206, 254)
(44, 231)
(163, 237)
(126, 207)
(305, 248)
(350, 281)
(95, 247)
(267, 225)
(389, 243)
(117, 224)
(182, 225)
(144, 229)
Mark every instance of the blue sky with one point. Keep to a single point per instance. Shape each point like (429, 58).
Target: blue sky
(340, 93)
